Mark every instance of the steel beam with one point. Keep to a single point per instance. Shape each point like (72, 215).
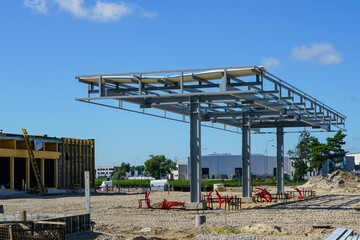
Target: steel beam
(169, 71)
(280, 159)
(246, 154)
(195, 149)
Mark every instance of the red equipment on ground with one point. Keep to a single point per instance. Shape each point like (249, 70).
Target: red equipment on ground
(263, 195)
(300, 195)
(220, 198)
(164, 205)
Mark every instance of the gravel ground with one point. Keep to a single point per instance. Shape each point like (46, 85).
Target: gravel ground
(118, 216)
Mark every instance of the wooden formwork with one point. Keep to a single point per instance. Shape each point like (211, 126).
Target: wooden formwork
(65, 159)
(78, 156)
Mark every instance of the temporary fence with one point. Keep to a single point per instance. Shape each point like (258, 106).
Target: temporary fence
(301, 193)
(222, 202)
(264, 196)
(27, 230)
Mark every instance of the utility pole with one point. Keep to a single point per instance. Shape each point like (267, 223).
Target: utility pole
(266, 157)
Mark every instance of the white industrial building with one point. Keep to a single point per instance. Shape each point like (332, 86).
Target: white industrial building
(225, 165)
(356, 157)
(104, 172)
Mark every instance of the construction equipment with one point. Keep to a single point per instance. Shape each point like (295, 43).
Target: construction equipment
(34, 165)
(263, 195)
(164, 204)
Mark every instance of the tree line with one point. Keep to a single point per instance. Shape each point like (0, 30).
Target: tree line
(310, 154)
(158, 166)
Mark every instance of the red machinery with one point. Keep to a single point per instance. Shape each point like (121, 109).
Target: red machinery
(164, 205)
(263, 196)
(220, 198)
(300, 195)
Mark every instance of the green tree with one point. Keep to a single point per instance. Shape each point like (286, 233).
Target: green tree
(301, 155)
(158, 166)
(336, 153)
(140, 168)
(123, 169)
(325, 151)
(319, 154)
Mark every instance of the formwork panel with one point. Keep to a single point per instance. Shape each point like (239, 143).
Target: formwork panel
(7, 143)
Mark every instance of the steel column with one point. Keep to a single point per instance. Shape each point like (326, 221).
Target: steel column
(246, 157)
(280, 159)
(195, 149)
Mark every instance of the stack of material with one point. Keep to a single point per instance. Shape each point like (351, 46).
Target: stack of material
(342, 234)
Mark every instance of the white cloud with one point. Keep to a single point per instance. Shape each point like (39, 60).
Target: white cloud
(75, 7)
(322, 53)
(101, 11)
(38, 5)
(109, 11)
(270, 62)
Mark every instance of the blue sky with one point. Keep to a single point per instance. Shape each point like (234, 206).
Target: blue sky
(313, 45)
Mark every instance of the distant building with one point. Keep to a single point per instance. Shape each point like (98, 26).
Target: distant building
(106, 172)
(225, 165)
(356, 157)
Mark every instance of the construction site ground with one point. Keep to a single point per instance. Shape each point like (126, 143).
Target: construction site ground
(118, 216)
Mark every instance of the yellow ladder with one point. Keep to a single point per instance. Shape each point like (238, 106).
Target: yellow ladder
(33, 162)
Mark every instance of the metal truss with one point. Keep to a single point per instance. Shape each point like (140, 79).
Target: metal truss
(225, 95)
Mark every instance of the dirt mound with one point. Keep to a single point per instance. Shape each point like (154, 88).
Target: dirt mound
(337, 179)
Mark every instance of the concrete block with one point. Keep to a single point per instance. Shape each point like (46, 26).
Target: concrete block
(200, 219)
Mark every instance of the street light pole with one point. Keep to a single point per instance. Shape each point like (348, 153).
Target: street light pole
(266, 157)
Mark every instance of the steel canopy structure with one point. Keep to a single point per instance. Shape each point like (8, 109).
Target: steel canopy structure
(247, 98)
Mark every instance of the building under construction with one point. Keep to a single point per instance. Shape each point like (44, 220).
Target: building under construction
(61, 162)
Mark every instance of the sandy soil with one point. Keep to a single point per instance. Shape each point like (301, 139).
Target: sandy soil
(119, 215)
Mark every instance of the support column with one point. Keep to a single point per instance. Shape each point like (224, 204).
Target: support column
(195, 150)
(246, 158)
(280, 160)
(42, 171)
